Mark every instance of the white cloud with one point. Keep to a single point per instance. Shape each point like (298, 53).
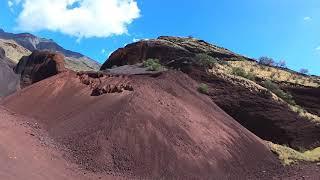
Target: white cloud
(10, 3)
(78, 18)
(318, 48)
(307, 18)
(135, 40)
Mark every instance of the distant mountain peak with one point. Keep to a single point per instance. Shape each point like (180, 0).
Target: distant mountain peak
(75, 60)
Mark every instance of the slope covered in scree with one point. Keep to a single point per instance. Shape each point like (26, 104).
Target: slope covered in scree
(142, 126)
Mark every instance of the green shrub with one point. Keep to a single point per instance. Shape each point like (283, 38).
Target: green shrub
(279, 92)
(205, 60)
(203, 88)
(152, 64)
(241, 72)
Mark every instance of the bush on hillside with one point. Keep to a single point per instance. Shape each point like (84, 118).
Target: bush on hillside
(241, 72)
(278, 91)
(203, 88)
(205, 60)
(304, 71)
(152, 64)
(266, 61)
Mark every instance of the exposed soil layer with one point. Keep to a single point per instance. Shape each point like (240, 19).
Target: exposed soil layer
(306, 97)
(260, 113)
(163, 128)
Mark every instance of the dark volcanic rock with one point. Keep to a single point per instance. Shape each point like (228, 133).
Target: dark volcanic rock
(306, 97)
(9, 81)
(38, 66)
(166, 49)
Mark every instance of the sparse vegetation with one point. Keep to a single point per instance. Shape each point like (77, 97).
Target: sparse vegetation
(304, 71)
(241, 72)
(266, 61)
(290, 156)
(152, 64)
(205, 60)
(279, 92)
(203, 88)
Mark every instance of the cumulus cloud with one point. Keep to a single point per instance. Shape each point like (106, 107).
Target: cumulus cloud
(10, 3)
(78, 18)
(307, 18)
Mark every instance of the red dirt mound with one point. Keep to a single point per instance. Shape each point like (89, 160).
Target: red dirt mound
(143, 127)
(38, 66)
(28, 153)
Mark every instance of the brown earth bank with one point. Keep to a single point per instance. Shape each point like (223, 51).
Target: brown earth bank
(259, 112)
(154, 127)
(306, 97)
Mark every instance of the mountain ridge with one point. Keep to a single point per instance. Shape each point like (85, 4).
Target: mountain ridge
(75, 60)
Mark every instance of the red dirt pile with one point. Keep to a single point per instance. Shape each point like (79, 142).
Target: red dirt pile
(150, 127)
(38, 66)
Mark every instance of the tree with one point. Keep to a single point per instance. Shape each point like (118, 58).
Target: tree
(282, 64)
(304, 71)
(266, 61)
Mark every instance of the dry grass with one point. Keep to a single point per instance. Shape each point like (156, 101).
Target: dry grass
(290, 156)
(305, 114)
(13, 51)
(276, 74)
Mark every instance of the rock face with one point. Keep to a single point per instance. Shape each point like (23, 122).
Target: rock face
(38, 66)
(9, 81)
(166, 49)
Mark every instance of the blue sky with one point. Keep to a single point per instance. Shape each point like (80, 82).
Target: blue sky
(284, 30)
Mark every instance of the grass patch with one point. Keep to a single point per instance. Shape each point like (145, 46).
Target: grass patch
(305, 114)
(203, 88)
(205, 60)
(152, 64)
(290, 156)
(241, 72)
(279, 92)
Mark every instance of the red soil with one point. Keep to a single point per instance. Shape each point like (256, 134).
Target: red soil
(27, 153)
(159, 127)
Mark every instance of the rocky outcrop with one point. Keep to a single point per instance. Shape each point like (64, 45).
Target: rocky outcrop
(167, 50)
(38, 66)
(256, 110)
(9, 81)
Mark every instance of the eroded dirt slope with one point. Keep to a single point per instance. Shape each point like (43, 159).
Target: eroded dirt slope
(142, 126)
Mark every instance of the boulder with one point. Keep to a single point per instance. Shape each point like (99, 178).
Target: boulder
(38, 66)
